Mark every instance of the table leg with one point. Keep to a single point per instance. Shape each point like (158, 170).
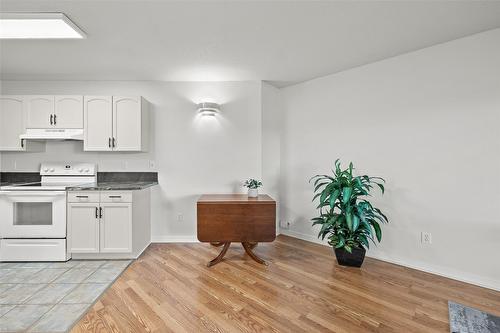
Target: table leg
(252, 245)
(221, 255)
(217, 244)
(248, 248)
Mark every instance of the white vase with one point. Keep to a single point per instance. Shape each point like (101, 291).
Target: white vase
(253, 192)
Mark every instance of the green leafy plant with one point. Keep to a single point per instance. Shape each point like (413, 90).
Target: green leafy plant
(253, 183)
(346, 216)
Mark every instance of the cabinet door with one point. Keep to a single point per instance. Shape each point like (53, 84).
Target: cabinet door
(98, 123)
(83, 227)
(127, 123)
(11, 122)
(116, 228)
(68, 112)
(40, 111)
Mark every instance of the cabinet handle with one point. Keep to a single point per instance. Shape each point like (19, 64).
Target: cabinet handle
(114, 142)
(109, 142)
(55, 119)
(100, 212)
(51, 122)
(115, 196)
(82, 196)
(96, 213)
(22, 143)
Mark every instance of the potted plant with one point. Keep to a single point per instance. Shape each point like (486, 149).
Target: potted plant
(253, 187)
(346, 216)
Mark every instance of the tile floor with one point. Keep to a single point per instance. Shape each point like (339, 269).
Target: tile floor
(51, 297)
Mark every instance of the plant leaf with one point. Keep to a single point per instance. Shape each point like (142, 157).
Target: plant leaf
(355, 223)
(346, 194)
(378, 232)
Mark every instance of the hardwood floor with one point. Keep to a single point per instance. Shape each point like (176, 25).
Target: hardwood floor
(170, 289)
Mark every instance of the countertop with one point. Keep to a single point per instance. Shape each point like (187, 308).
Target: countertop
(113, 186)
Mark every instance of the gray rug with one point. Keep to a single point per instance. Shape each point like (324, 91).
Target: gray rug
(464, 319)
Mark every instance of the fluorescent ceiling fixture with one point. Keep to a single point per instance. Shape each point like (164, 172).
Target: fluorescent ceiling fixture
(38, 26)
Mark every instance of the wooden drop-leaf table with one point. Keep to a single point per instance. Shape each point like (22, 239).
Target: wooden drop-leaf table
(227, 218)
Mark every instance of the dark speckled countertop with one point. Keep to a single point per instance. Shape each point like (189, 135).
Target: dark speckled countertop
(113, 186)
(106, 181)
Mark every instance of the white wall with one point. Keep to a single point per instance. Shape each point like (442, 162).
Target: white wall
(428, 122)
(193, 154)
(272, 117)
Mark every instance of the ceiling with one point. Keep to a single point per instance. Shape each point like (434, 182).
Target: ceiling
(284, 42)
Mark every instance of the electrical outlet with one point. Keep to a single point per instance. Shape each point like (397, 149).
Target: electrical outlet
(426, 238)
(284, 224)
(180, 217)
(152, 164)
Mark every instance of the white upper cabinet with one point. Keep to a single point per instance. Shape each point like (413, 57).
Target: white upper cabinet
(39, 111)
(118, 123)
(68, 112)
(109, 123)
(98, 123)
(11, 123)
(45, 111)
(127, 121)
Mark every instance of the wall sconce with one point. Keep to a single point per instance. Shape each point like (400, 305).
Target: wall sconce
(208, 109)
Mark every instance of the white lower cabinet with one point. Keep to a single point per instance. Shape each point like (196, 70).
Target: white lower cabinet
(99, 227)
(116, 228)
(84, 227)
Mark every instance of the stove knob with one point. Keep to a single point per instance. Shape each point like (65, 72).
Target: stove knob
(87, 170)
(46, 170)
(80, 170)
(52, 170)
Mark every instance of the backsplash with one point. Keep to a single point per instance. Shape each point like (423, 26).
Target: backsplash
(106, 177)
(19, 177)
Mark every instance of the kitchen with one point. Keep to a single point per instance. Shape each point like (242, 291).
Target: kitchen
(181, 171)
(41, 222)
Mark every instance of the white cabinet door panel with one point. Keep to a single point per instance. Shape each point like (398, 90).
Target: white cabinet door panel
(68, 111)
(11, 122)
(98, 121)
(40, 111)
(127, 123)
(83, 227)
(116, 228)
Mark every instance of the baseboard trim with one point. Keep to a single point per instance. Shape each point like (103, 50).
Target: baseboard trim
(444, 272)
(174, 239)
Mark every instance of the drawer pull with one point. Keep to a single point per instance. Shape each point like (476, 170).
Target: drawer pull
(83, 196)
(115, 196)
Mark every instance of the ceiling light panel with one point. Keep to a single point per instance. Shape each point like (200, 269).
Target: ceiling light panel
(38, 26)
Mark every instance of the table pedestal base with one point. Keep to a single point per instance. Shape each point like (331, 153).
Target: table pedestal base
(248, 246)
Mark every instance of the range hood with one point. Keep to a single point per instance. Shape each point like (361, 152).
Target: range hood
(53, 134)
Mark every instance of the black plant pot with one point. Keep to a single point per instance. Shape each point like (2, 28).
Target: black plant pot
(354, 259)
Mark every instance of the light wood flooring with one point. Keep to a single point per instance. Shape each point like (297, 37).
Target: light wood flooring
(170, 289)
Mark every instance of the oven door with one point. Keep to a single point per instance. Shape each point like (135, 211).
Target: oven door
(32, 214)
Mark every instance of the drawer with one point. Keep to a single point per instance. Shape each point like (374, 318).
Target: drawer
(33, 250)
(91, 196)
(116, 196)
